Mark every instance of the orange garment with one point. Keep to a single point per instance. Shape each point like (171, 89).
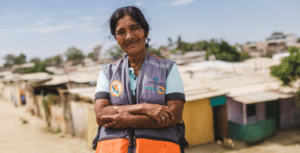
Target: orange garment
(113, 146)
(156, 146)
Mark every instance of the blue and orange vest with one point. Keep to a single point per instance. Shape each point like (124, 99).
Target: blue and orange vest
(150, 88)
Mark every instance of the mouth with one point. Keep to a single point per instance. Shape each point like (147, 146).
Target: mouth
(132, 43)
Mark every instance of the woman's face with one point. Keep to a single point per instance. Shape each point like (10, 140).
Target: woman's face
(130, 36)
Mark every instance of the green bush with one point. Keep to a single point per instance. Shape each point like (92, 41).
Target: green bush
(245, 56)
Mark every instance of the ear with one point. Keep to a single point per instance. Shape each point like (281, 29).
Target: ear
(147, 34)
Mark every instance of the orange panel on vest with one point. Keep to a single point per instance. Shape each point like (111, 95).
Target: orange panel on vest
(155, 146)
(112, 146)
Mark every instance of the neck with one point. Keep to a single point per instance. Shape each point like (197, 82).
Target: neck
(136, 61)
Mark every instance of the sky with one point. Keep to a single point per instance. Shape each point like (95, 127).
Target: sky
(46, 28)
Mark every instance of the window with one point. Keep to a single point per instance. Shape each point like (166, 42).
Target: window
(251, 110)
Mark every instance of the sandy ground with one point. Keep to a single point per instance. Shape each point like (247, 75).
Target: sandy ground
(284, 141)
(32, 137)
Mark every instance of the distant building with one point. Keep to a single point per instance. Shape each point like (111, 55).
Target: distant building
(287, 39)
(188, 57)
(256, 48)
(277, 43)
(19, 68)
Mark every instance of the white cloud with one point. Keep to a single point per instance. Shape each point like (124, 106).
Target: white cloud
(163, 4)
(4, 30)
(75, 26)
(181, 2)
(43, 22)
(139, 4)
(43, 29)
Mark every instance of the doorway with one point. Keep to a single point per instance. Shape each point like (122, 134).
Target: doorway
(220, 122)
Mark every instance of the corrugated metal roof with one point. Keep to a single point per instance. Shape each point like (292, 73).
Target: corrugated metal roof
(35, 76)
(11, 77)
(25, 65)
(260, 97)
(88, 92)
(56, 80)
(83, 77)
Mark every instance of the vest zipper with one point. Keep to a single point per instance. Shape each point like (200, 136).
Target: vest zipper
(129, 141)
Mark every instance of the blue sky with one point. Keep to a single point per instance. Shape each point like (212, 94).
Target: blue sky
(45, 28)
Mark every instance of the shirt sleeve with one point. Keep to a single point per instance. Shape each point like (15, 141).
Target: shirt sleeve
(174, 85)
(102, 88)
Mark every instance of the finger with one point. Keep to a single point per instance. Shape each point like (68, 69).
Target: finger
(169, 111)
(107, 117)
(167, 119)
(110, 124)
(158, 120)
(163, 120)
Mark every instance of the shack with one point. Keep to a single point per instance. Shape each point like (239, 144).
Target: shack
(255, 116)
(205, 116)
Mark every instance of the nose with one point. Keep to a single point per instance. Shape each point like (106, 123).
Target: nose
(129, 35)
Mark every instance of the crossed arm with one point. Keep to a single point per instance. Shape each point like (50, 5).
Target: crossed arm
(143, 115)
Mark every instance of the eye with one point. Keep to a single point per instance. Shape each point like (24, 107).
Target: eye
(135, 28)
(120, 32)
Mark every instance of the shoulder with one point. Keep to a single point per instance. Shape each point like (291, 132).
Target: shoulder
(112, 66)
(160, 62)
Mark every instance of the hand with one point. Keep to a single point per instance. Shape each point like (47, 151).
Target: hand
(162, 114)
(119, 120)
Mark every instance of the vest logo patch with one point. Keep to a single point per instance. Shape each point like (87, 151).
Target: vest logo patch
(116, 88)
(155, 79)
(160, 90)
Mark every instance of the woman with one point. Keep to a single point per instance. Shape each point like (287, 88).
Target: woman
(139, 99)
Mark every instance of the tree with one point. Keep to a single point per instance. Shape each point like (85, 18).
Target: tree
(58, 60)
(9, 60)
(35, 60)
(224, 51)
(54, 61)
(91, 55)
(201, 45)
(75, 55)
(298, 41)
(245, 56)
(21, 59)
(276, 33)
(49, 61)
(179, 43)
(12, 60)
(289, 68)
(39, 66)
(115, 52)
(155, 51)
(184, 46)
(96, 51)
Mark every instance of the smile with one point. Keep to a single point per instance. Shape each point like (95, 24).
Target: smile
(132, 43)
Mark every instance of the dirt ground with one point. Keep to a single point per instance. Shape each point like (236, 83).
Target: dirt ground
(33, 137)
(284, 141)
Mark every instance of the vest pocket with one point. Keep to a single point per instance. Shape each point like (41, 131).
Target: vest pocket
(119, 145)
(154, 146)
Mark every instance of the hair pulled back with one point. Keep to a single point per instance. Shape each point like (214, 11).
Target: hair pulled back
(135, 13)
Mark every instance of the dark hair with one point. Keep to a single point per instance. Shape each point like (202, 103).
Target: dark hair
(135, 13)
